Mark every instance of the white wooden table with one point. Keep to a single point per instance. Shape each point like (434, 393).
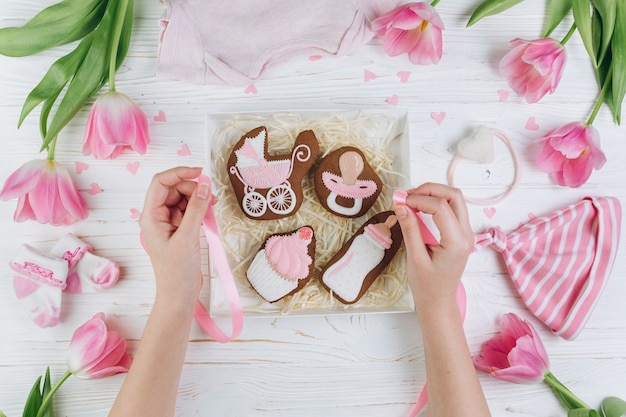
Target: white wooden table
(331, 365)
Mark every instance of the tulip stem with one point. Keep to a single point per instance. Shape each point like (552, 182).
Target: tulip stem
(115, 41)
(434, 3)
(566, 396)
(568, 34)
(51, 147)
(600, 99)
(48, 398)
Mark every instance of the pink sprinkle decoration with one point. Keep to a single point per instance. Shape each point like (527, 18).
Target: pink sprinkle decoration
(393, 100)
(134, 213)
(132, 167)
(368, 76)
(251, 89)
(489, 212)
(160, 117)
(81, 166)
(404, 76)
(184, 150)
(95, 189)
(438, 117)
(314, 58)
(503, 94)
(531, 124)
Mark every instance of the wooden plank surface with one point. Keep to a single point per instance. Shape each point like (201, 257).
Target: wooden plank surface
(331, 365)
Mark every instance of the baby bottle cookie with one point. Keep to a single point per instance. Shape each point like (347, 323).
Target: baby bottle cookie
(350, 273)
(284, 264)
(346, 184)
(270, 187)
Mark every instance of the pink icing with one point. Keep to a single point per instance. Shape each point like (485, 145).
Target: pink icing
(360, 189)
(379, 236)
(289, 255)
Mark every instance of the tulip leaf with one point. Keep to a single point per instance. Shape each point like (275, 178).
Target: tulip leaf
(58, 24)
(583, 412)
(127, 29)
(56, 78)
(618, 63)
(582, 18)
(47, 387)
(557, 9)
(489, 8)
(613, 407)
(33, 403)
(607, 10)
(89, 78)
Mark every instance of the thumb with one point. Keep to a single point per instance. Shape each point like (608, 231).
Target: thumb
(411, 233)
(196, 209)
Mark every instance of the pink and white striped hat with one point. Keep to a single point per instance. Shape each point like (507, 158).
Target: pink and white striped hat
(561, 262)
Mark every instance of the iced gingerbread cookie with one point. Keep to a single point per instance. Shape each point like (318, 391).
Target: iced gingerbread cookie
(284, 264)
(269, 187)
(350, 273)
(346, 184)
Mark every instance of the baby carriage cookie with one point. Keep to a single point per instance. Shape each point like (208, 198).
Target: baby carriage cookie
(270, 187)
(353, 269)
(284, 264)
(346, 184)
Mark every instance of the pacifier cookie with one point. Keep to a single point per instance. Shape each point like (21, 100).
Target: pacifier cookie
(284, 264)
(346, 184)
(350, 273)
(269, 187)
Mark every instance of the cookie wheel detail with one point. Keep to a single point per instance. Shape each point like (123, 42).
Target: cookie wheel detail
(254, 204)
(281, 199)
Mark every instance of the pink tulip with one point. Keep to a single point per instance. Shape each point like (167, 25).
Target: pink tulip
(534, 68)
(115, 123)
(45, 193)
(96, 352)
(414, 28)
(516, 354)
(569, 153)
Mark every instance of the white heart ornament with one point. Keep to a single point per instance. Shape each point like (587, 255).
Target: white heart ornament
(478, 146)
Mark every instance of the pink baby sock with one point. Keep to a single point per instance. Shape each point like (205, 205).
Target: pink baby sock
(38, 282)
(87, 272)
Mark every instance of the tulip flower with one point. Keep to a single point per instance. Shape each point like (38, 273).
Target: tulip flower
(45, 192)
(534, 68)
(115, 122)
(570, 153)
(96, 352)
(518, 355)
(414, 28)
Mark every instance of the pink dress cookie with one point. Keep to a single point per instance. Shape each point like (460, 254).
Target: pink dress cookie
(284, 264)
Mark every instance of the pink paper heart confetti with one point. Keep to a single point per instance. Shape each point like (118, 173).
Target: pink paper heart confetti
(81, 166)
(531, 124)
(503, 94)
(132, 167)
(251, 89)
(184, 150)
(404, 76)
(368, 76)
(95, 189)
(160, 117)
(438, 117)
(134, 213)
(489, 212)
(393, 100)
(314, 58)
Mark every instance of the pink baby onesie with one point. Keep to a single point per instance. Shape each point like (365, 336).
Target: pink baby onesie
(211, 41)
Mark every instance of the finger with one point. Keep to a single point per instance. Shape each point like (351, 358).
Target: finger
(411, 233)
(452, 195)
(196, 209)
(162, 182)
(179, 192)
(443, 216)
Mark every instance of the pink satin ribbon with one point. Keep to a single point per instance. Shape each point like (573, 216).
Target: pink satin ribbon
(218, 257)
(399, 198)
